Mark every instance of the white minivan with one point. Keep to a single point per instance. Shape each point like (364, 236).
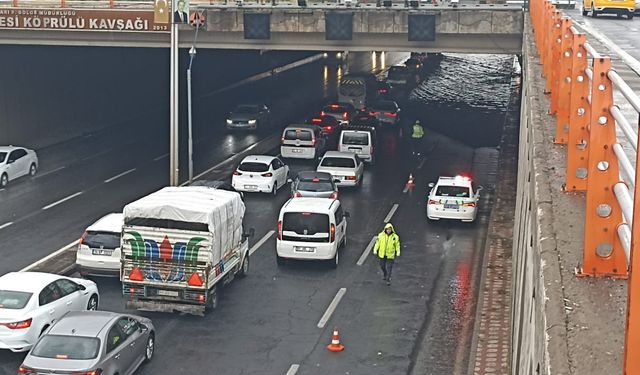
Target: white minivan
(311, 228)
(358, 141)
(302, 142)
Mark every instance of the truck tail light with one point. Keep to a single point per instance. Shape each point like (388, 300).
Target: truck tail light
(195, 280)
(469, 204)
(280, 229)
(136, 274)
(333, 232)
(18, 325)
(431, 201)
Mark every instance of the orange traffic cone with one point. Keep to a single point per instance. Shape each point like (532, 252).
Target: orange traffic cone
(335, 345)
(410, 183)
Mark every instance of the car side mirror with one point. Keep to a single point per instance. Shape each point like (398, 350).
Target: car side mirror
(10, 161)
(81, 287)
(143, 328)
(336, 180)
(431, 185)
(479, 189)
(289, 180)
(249, 234)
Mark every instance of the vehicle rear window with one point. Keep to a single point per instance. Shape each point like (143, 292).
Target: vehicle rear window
(3, 155)
(315, 186)
(253, 167)
(107, 240)
(13, 300)
(67, 347)
(305, 223)
(297, 134)
(453, 191)
(338, 162)
(358, 139)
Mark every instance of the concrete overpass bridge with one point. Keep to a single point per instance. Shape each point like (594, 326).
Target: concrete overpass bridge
(448, 27)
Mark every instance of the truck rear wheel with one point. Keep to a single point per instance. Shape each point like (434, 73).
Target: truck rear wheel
(212, 300)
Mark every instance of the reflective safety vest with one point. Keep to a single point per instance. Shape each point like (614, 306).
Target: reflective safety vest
(387, 245)
(418, 131)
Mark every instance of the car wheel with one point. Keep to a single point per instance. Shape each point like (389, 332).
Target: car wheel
(274, 190)
(33, 169)
(630, 16)
(4, 180)
(150, 348)
(594, 14)
(244, 268)
(335, 260)
(584, 11)
(93, 303)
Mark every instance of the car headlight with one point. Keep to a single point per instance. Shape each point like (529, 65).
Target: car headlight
(229, 121)
(252, 121)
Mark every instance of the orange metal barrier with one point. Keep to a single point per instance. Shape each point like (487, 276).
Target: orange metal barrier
(581, 97)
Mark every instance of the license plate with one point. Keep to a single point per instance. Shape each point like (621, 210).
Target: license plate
(304, 249)
(356, 150)
(168, 293)
(296, 151)
(106, 252)
(451, 206)
(251, 187)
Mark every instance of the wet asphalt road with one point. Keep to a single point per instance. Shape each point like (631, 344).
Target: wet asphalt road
(268, 321)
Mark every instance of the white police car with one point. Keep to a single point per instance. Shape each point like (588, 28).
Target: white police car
(453, 198)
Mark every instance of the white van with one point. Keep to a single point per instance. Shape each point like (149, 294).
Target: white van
(358, 141)
(302, 142)
(311, 228)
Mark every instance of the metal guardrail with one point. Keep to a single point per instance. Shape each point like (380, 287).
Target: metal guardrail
(581, 83)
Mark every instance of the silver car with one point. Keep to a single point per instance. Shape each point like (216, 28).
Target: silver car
(249, 116)
(16, 162)
(92, 342)
(314, 184)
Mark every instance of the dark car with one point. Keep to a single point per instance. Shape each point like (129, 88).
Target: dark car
(329, 124)
(386, 111)
(249, 116)
(414, 65)
(384, 89)
(340, 111)
(217, 184)
(365, 119)
(314, 184)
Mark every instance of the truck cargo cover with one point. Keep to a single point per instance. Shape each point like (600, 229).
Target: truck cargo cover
(222, 211)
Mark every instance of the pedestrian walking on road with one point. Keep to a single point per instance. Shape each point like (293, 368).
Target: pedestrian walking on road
(387, 248)
(417, 133)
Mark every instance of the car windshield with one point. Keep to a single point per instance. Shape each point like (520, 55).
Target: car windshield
(384, 106)
(297, 134)
(315, 186)
(67, 347)
(3, 155)
(305, 223)
(453, 191)
(253, 167)
(358, 139)
(105, 240)
(338, 162)
(13, 300)
(250, 109)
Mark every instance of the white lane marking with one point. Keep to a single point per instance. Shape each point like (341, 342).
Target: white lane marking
(293, 370)
(391, 212)
(421, 163)
(6, 225)
(366, 252)
(332, 307)
(119, 175)
(406, 189)
(264, 239)
(54, 254)
(160, 157)
(628, 59)
(50, 172)
(61, 201)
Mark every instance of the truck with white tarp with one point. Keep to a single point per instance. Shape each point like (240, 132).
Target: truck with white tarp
(178, 245)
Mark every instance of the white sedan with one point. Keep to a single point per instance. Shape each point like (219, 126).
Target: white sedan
(260, 173)
(30, 302)
(346, 168)
(16, 162)
(453, 198)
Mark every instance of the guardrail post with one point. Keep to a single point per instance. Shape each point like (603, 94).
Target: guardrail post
(579, 115)
(554, 65)
(544, 49)
(603, 254)
(561, 92)
(632, 332)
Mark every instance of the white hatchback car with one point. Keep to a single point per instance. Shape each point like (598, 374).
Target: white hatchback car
(346, 168)
(453, 198)
(260, 173)
(99, 248)
(30, 302)
(16, 162)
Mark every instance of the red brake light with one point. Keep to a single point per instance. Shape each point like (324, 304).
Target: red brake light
(18, 325)
(136, 274)
(297, 194)
(94, 372)
(279, 230)
(306, 214)
(334, 195)
(268, 174)
(333, 232)
(84, 235)
(236, 173)
(327, 128)
(316, 120)
(25, 370)
(322, 113)
(431, 201)
(345, 115)
(201, 298)
(469, 204)
(334, 106)
(350, 178)
(313, 142)
(392, 114)
(195, 280)
(315, 180)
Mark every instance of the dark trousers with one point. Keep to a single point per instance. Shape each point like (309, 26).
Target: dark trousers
(387, 267)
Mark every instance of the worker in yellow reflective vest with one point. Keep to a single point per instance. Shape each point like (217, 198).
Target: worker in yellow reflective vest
(387, 248)
(416, 137)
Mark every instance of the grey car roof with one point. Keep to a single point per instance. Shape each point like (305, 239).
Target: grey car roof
(83, 323)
